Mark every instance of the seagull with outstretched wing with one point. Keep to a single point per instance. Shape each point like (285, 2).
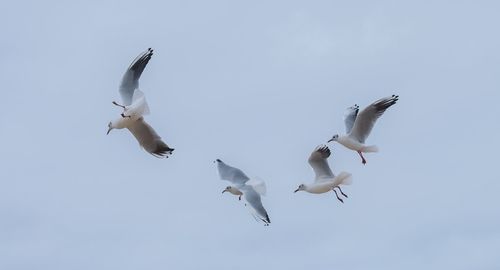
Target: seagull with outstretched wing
(244, 186)
(135, 107)
(359, 125)
(324, 180)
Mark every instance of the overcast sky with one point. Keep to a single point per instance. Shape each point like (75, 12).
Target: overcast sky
(258, 84)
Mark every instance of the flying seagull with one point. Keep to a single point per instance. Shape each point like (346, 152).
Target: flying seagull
(359, 126)
(325, 180)
(135, 107)
(243, 186)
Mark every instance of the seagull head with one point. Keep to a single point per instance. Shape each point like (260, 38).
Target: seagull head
(233, 191)
(301, 187)
(118, 123)
(228, 189)
(334, 138)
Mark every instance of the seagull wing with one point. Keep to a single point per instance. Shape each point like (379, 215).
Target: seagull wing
(130, 80)
(319, 163)
(231, 174)
(149, 139)
(350, 117)
(258, 185)
(366, 118)
(254, 200)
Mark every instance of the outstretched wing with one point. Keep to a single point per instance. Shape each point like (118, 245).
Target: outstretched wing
(130, 80)
(258, 185)
(253, 199)
(319, 163)
(366, 118)
(149, 139)
(231, 174)
(350, 117)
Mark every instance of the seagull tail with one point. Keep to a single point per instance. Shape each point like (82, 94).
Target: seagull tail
(344, 178)
(370, 149)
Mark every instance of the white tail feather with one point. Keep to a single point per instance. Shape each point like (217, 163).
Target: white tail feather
(344, 178)
(139, 103)
(370, 149)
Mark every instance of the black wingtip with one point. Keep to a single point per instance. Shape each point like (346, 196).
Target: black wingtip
(323, 148)
(163, 151)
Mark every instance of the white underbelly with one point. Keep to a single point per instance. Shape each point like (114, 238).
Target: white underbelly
(351, 144)
(124, 122)
(235, 192)
(319, 188)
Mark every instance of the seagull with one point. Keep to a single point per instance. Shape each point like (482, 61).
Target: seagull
(243, 186)
(325, 180)
(135, 107)
(359, 126)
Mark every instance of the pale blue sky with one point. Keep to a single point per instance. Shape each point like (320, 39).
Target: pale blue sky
(258, 84)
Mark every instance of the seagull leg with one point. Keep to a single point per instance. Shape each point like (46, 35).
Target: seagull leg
(342, 201)
(119, 105)
(363, 160)
(341, 191)
(239, 198)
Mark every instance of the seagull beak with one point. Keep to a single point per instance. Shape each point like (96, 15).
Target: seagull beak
(330, 140)
(296, 191)
(109, 130)
(224, 191)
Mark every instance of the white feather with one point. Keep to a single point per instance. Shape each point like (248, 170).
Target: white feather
(258, 185)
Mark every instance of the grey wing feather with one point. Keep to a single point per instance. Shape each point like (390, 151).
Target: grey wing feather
(253, 198)
(319, 163)
(366, 118)
(130, 80)
(350, 117)
(149, 139)
(231, 174)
